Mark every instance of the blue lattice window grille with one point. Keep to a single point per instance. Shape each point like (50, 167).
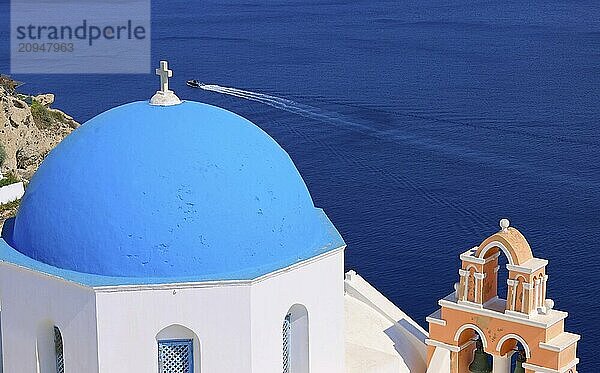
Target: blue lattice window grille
(176, 356)
(286, 333)
(58, 351)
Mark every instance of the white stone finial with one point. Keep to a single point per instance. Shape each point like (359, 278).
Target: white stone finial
(504, 224)
(164, 97)
(349, 276)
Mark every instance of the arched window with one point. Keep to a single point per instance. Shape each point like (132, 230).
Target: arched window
(49, 348)
(58, 351)
(287, 328)
(178, 350)
(295, 340)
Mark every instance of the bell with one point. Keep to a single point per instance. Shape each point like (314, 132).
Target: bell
(481, 361)
(520, 360)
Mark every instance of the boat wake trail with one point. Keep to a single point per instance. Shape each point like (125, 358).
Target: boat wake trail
(318, 114)
(294, 107)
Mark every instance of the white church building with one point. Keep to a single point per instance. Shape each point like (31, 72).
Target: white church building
(173, 236)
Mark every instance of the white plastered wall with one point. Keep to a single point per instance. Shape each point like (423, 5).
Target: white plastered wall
(129, 321)
(31, 304)
(319, 287)
(114, 329)
(238, 325)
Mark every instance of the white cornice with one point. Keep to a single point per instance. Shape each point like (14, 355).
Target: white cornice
(452, 348)
(467, 256)
(435, 318)
(540, 369)
(542, 321)
(468, 303)
(434, 343)
(561, 342)
(44, 274)
(211, 284)
(529, 267)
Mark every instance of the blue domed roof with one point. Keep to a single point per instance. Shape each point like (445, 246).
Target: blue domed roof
(189, 191)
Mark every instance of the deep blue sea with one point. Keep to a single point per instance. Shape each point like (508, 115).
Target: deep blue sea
(416, 124)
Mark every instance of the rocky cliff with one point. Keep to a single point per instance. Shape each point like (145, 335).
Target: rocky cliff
(29, 129)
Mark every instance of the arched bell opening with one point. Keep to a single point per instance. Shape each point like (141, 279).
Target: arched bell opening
(502, 276)
(495, 273)
(513, 351)
(472, 357)
(500, 252)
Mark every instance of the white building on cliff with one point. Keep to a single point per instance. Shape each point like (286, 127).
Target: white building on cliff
(176, 237)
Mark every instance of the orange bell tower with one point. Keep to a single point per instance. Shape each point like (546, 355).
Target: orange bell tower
(525, 320)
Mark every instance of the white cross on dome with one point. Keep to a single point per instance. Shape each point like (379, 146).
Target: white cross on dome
(164, 74)
(164, 96)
